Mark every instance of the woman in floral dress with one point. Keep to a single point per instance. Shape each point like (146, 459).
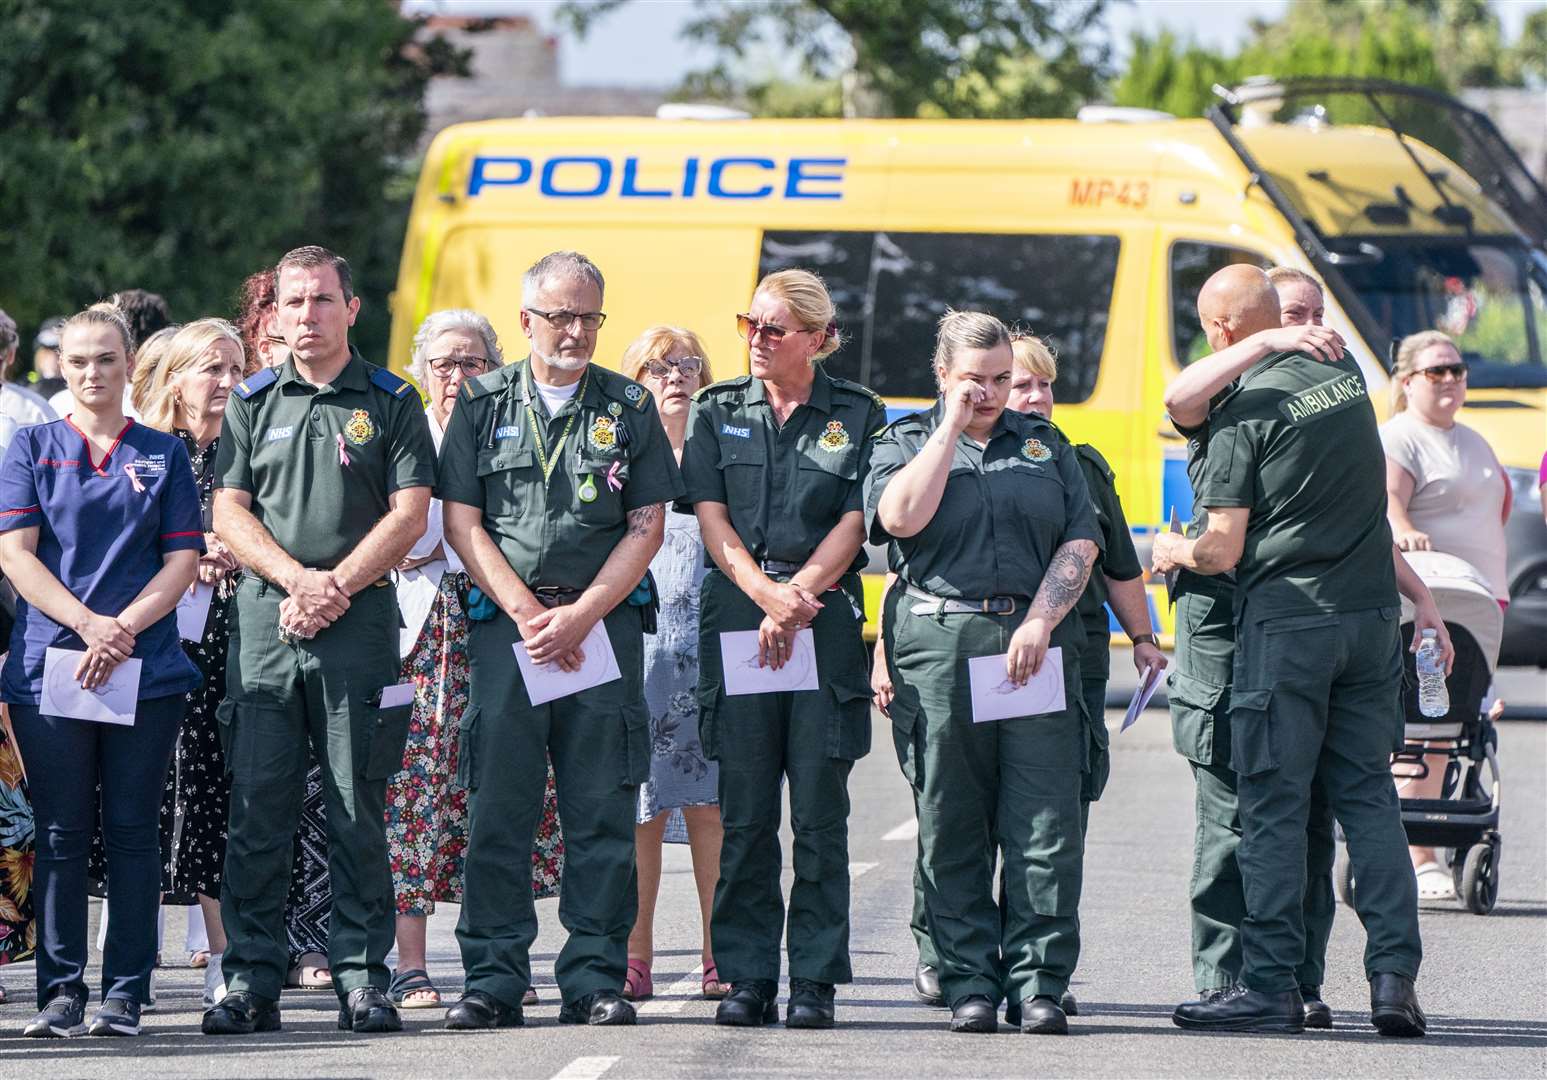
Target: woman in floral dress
(683, 788)
(426, 813)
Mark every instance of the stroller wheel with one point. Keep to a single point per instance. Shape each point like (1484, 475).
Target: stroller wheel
(1343, 876)
(1480, 878)
(1458, 870)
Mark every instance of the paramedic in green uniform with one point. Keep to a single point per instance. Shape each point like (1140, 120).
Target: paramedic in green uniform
(323, 481)
(1294, 495)
(992, 536)
(553, 476)
(773, 465)
(1200, 684)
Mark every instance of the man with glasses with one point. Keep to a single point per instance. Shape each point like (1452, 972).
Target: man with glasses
(1294, 489)
(553, 475)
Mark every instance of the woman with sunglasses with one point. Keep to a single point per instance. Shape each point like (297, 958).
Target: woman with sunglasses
(773, 464)
(680, 800)
(1447, 492)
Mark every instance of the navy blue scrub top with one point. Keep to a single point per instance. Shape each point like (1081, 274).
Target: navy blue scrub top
(103, 528)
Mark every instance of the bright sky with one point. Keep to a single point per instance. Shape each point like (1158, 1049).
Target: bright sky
(637, 45)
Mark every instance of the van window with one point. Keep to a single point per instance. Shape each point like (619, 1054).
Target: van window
(1192, 263)
(891, 288)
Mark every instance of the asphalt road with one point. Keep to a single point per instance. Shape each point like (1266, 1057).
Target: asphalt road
(1484, 982)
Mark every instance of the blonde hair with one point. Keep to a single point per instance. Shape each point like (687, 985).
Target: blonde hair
(1035, 355)
(1282, 275)
(168, 353)
(809, 301)
(103, 314)
(1407, 362)
(657, 343)
(965, 330)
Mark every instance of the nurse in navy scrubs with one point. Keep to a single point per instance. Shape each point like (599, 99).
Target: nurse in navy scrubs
(100, 534)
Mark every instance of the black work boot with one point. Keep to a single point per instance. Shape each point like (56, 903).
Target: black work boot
(811, 1004)
(926, 984)
(1318, 1014)
(241, 1013)
(975, 1014)
(749, 1004)
(1241, 1009)
(1394, 1006)
(604, 1008)
(368, 1011)
(478, 1011)
(1043, 1016)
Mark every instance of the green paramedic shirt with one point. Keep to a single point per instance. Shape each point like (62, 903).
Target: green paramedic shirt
(1007, 507)
(784, 487)
(1197, 461)
(556, 532)
(1118, 558)
(1296, 444)
(320, 461)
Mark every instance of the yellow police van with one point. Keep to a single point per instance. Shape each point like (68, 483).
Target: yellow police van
(1096, 233)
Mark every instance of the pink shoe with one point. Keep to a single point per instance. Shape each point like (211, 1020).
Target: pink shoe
(637, 985)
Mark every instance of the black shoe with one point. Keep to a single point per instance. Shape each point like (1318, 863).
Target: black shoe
(605, 1008)
(241, 1013)
(1043, 1016)
(368, 1011)
(1068, 1004)
(975, 1014)
(1240, 1009)
(1394, 1006)
(1318, 1014)
(811, 1005)
(61, 1018)
(926, 984)
(117, 1016)
(749, 1004)
(478, 1011)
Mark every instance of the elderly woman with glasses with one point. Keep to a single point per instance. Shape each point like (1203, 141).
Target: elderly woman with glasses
(426, 813)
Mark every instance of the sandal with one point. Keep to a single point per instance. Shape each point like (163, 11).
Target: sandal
(309, 974)
(714, 989)
(198, 958)
(412, 989)
(637, 985)
(1435, 883)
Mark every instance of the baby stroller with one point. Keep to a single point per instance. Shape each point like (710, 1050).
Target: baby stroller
(1465, 818)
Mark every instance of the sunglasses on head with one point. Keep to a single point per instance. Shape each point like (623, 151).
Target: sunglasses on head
(771, 333)
(688, 365)
(1439, 371)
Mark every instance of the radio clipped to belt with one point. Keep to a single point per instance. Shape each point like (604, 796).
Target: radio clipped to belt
(647, 597)
(480, 607)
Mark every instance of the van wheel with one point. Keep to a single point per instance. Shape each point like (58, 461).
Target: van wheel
(1480, 878)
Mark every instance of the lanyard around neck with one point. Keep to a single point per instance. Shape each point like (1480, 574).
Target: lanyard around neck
(549, 462)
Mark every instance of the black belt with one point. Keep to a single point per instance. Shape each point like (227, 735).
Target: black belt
(552, 596)
(953, 605)
(779, 566)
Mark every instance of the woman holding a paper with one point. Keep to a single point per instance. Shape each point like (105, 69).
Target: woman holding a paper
(773, 465)
(992, 534)
(101, 535)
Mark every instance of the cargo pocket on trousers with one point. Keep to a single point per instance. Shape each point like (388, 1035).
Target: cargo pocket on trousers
(1194, 705)
(1053, 867)
(636, 744)
(708, 723)
(848, 737)
(1098, 758)
(1251, 733)
(225, 730)
(905, 718)
(384, 745)
(466, 777)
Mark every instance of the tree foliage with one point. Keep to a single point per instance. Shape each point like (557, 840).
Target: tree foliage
(179, 145)
(930, 58)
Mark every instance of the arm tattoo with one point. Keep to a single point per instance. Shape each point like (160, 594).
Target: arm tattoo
(1065, 579)
(640, 521)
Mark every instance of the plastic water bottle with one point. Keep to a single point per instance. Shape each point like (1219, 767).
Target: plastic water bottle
(1433, 698)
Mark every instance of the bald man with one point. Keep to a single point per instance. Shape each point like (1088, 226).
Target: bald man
(1292, 487)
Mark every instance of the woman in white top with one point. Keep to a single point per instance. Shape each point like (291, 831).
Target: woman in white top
(426, 813)
(1447, 492)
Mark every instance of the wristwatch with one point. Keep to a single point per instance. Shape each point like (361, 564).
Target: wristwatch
(1143, 639)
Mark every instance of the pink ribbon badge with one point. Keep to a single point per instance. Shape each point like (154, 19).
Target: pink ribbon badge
(134, 481)
(343, 454)
(613, 483)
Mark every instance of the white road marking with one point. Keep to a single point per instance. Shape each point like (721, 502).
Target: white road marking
(676, 996)
(908, 830)
(586, 1068)
(858, 868)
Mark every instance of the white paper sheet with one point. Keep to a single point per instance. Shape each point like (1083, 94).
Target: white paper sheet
(546, 682)
(995, 697)
(1148, 684)
(738, 659)
(111, 703)
(193, 611)
(393, 697)
(416, 592)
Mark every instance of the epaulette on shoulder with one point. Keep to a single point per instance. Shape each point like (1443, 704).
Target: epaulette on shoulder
(391, 382)
(256, 383)
(627, 390)
(1092, 455)
(860, 388)
(489, 382)
(740, 382)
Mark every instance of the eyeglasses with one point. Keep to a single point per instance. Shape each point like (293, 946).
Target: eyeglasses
(771, 333)
(1439, 371)
(563, 320)
(688, 365)
(445, 366)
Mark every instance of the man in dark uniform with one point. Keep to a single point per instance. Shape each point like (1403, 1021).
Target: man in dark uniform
(553, 475)
(324, 474)
(1295, 495)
